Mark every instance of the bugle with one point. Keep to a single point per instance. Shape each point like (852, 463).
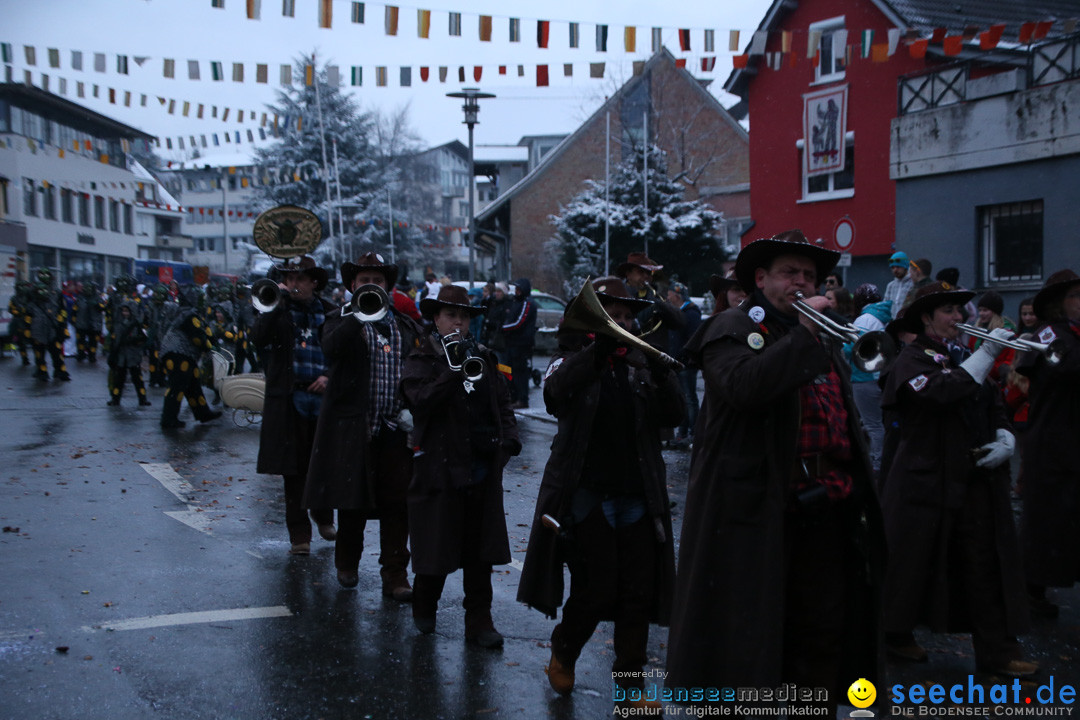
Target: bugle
(369, 303)
(459, 356)
(265, 295)
(1052, 352)
(870, 352)
(587, 314)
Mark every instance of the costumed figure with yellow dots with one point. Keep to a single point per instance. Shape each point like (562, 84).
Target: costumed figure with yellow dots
(126, 353)
(89, 312)
(19, 307)
(162, 310)
(186, 339)
(47, 320)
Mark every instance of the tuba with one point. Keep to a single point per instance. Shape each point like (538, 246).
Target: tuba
(459, 356)
(369, 303)
(585, 313)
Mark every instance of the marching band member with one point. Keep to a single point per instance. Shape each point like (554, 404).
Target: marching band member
(953, 556)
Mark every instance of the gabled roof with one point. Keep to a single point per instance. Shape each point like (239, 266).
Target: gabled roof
(925, 16)
(660, 56)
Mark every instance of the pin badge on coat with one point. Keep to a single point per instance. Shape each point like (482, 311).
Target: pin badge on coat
(757, 313)
(755, 341)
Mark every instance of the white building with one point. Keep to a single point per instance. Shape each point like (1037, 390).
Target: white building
(70, 192)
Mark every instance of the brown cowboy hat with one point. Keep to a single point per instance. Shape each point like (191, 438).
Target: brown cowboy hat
(640, 260)
(612, 289)
(368, 261)
(305, 264)
(449, 296)
(761, 253)
(1053, 291)
(926, 299)
(718, 285)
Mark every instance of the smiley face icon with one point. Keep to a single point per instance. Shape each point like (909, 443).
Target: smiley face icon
(862, 693)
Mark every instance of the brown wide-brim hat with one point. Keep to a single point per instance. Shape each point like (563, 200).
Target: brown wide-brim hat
(307, 265)
(639, 260)
(450, 296)
(612, 289)
(718, 284)
(1055, 288)
(761, 253)
(926, 299)
(368, 261)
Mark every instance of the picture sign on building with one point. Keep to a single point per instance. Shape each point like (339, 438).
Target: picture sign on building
(824, 128)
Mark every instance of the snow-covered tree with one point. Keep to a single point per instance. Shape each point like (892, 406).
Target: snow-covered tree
(678, 232)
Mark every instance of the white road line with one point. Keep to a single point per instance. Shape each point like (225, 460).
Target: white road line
(191, 618)
(170, 479)
(517, 565)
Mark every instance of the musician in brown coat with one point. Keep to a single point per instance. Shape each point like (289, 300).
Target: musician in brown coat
(361, 461)
(605, 484)
(464, 433)
(781, 549)
(1049, 529)
(953, 554)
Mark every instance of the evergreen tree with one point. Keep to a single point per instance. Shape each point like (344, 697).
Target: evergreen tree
(679, 232)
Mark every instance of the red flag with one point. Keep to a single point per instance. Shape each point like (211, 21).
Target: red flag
(918, 48)
(684, 40)
(938, 36)
(707, 64)
(1026, 31)
(680, 62)
(953, 44)
(541, 75)
(989, 40)
(542, 28)
(739, 61)
(1042, 28)
(425, 72)
(477, 71)
(502, 69)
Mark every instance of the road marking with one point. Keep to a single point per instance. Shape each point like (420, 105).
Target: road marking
(170, 479)
(192, 618)
(517, 565)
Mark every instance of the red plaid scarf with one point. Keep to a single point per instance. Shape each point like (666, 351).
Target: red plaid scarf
(824, 430)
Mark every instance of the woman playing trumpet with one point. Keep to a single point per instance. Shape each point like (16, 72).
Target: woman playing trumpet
(464, 434)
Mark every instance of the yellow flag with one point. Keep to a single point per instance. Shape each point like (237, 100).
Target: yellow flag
(630, 39)
(423, 23)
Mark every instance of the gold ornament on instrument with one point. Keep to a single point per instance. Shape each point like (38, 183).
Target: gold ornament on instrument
(287, 231)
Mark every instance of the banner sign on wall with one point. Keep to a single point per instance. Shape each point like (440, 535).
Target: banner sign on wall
(824, 129)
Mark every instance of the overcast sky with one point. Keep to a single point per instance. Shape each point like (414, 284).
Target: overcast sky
(193, 30)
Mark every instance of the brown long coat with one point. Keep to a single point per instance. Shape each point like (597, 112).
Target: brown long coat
(1050, 526)
(571, 393)
(339, 476)
(442, 462)
(942, 413)
(727, 622)
(277, 446)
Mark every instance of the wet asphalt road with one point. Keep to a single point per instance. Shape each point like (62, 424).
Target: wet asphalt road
(116, 535)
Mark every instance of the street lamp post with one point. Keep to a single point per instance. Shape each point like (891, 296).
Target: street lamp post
(472, 109)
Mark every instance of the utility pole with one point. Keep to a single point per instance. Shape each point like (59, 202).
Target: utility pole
(326, 169)
(472, 109)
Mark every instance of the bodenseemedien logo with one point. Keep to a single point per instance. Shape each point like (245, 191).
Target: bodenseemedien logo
(1051, 699)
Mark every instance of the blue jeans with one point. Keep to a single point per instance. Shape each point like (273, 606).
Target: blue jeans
(307, 404)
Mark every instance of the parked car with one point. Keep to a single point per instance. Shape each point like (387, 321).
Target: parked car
(549, 312)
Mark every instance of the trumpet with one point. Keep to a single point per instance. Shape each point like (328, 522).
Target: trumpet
(459, 355)
(265, 295)
(870, 352)
(369, 303)
(1052, 352)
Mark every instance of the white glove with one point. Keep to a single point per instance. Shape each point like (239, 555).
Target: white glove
(999, 451)
(981, 361)
(993, 348)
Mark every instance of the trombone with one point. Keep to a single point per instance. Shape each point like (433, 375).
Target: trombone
(1052, 352)
(870, 352)
(369, 303)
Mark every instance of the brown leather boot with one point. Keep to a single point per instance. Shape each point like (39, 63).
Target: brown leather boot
(560, 676)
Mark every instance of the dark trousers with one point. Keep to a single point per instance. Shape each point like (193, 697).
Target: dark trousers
(117, 384)
(243, 354)
(519, 360)
(615, 576)
(391, 462)
(56, 352)
(183, 378)
(86, 342)
(815, 600)
(476, 575)
(688, 383)
(157, 369)
(296, 517)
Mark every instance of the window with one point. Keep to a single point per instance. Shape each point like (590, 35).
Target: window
(48, 201)
(832, 52)
(67, 205)
(114, 215)
(99, 212)
(29, 198)
(84, 209)
(128, 216)
(210, 244)
(833, 185)
(1011, 236)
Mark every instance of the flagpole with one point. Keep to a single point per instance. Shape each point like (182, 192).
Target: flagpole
(326, 171)
(645, 178)
(607, 195)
